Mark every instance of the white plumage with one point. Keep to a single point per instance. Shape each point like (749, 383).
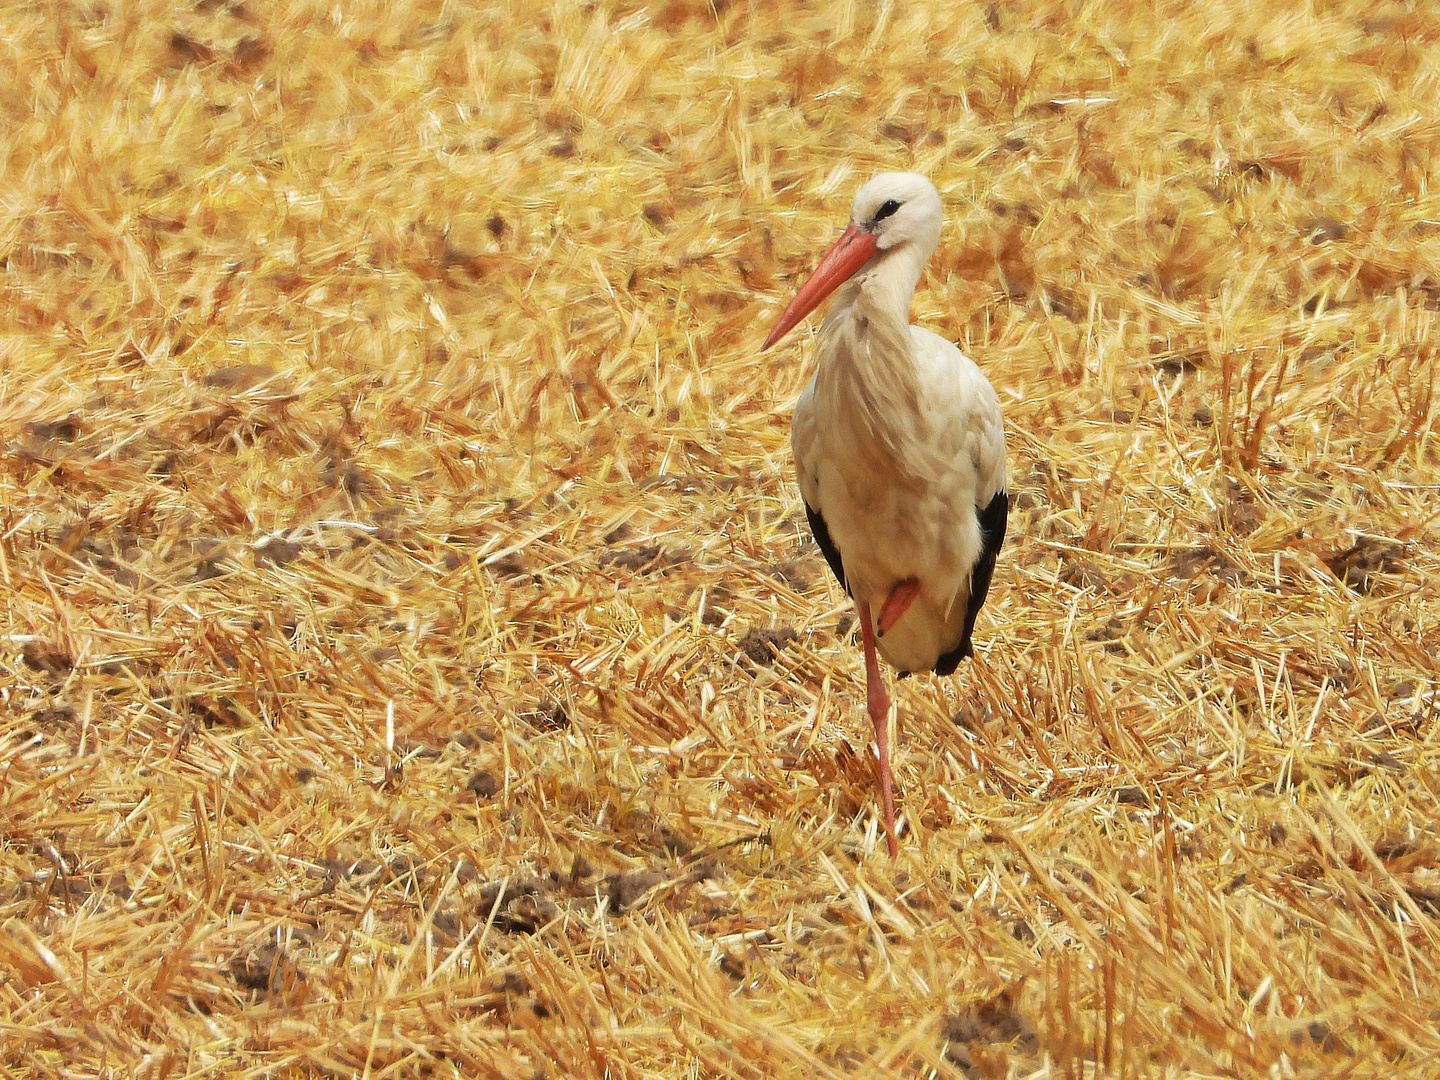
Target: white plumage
(899, 448)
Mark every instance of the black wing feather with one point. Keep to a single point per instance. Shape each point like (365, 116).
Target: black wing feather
(827, 546)
(992, 534)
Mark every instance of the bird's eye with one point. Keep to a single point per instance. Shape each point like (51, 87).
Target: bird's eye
(888, 207)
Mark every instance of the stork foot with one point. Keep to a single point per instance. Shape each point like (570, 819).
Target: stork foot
(896, 604)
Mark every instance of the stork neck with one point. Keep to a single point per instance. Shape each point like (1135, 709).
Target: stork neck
(868, 381)
(875, 304)
(890, 280)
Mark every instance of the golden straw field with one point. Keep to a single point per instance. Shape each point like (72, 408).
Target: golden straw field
(415, 662)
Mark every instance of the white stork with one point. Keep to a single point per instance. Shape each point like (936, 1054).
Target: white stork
(899, 448)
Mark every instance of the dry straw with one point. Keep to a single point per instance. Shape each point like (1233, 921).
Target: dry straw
(414, 663)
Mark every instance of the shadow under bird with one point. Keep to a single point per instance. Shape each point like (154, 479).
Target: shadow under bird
(899, 448)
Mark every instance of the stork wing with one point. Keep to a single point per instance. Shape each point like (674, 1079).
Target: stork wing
(980, 430)
(827, 546)
(803, 438)
(993, 519)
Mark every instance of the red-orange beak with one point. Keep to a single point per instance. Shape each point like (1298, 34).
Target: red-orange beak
(853, 250)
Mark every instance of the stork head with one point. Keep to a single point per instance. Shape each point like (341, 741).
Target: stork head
(899, 208)
(895, 211)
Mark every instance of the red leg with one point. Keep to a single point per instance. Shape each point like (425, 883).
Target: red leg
(878, 702)
(896, 604)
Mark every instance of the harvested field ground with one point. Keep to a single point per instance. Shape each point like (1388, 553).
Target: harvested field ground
(414, 661)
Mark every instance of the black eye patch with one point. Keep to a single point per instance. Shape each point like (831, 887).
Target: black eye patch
(888, 207)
